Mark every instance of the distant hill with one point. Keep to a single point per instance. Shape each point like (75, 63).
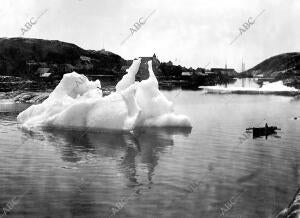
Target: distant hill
(23, 57)
(276, 65)
(284, 67)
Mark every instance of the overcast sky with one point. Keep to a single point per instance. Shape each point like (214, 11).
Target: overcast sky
(192, 33)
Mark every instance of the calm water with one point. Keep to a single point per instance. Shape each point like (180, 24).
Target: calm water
(157, 172)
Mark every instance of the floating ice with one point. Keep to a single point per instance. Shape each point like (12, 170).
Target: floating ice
(277, 86)
(269, 88)
(129, 78)
(77, 102)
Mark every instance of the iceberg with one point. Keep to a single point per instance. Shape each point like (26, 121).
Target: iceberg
(77, 102)
(269, 88)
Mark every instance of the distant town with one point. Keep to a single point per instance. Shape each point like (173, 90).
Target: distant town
(36, 64)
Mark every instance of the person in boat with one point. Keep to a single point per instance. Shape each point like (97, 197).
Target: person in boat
(266, 130)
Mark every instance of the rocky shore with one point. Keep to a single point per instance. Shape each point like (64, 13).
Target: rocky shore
(28, 95)
(25, 97)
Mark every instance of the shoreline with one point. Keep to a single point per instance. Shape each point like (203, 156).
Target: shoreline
(40, 91)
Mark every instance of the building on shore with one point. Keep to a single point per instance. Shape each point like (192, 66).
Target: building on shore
(224, 71)
(186, 74)
(143, 73)
(43, 72)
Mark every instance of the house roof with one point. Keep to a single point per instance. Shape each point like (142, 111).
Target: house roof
(84, 58)
(45, 75)
(201, 74)
(186, 73)
(44, 71)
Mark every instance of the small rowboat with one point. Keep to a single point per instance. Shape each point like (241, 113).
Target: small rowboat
(263, 131)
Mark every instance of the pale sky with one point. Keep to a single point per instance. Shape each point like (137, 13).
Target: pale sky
(192, 33)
